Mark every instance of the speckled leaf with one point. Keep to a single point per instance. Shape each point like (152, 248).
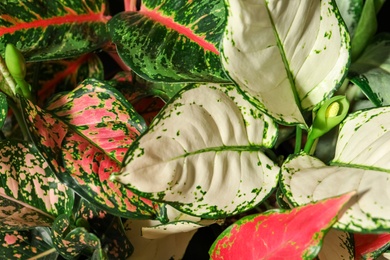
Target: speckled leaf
(171, 246)
(337, 244)
(27, 244)
(292, 234)
(203, 154)
(56, 76)
(53, 29)
(370, 246)
(350, 11)
(361, 163)
(31, 195)
(271, 47)
(3, 108)
(172, 41)
(71, 241)
(100, 114)
(371, 72)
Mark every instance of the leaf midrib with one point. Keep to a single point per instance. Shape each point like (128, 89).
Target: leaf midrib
(359, 166)
(224, 148)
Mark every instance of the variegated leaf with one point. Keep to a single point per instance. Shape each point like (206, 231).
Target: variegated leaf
(203, 154)
(31, 244)
(337, 244)
(100, 114)
(360, 164)
(53, 29)
(350, 11)
(31, 195)
(3, 108)
(271, 47)
(172, 41)
(277, 234)
(370, 246)
(71, 241)
(55, 76)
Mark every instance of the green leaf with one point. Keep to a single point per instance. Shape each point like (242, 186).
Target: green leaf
(172, 41)
(270, 48)
(371, 72)
(70, 242)
(203, 154)
(366, 27)
(292, 234)
(31, 195)
(3, 108)
(27, 244)
(337, 244)
(54, 29)
(350, 11)
(56, 76)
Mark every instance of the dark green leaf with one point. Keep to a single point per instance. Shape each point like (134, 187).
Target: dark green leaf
(3, 108)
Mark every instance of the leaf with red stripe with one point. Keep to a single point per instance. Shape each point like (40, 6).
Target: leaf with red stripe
(172, 41)
(56, 76)
(284, 234)
(31, 195)
(370, 246)
(53, 29)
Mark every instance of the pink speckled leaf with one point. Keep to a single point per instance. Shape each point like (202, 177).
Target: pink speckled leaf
(102, 115)
(370, 246)
(30, 193)
(284, 234)
(27, 244)
(71, 241)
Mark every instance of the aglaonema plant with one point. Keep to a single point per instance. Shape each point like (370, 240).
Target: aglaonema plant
(219, 111)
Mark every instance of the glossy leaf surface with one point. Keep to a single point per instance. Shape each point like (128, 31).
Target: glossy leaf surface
(370, 246)
(271, 47)
(31, 195)
(172, 41)
(53, 29)
(203, 154)
(294, 234)
(27, 244)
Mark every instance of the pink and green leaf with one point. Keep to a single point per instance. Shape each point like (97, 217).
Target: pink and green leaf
(292, 234)
(154, 40)
(370, 246)
(56, 76)
(31, 195)
(53, 29)
(71, 241)
(27, 244)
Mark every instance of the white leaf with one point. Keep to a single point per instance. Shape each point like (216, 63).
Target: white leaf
(203, 154)
(286, 56)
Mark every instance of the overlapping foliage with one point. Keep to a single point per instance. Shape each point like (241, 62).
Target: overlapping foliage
(89, 168)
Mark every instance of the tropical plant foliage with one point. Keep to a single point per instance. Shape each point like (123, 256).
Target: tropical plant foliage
(271, 116)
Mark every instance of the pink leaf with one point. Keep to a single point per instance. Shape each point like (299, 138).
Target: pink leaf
(368, 246)
(292, 234)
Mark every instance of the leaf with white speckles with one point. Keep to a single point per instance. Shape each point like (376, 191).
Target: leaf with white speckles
(31, 195)
(172, 41)
(53, 29)
(361, 163)
(271, 47)
(203, 154)
(27, 244)
(3, 108)
(280, 234)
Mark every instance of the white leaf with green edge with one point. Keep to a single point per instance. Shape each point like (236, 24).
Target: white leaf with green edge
(350, 11)
(371, 72)
(171, 246)
(286, 56)
(361, 163)
(337, 244)
(203, 154)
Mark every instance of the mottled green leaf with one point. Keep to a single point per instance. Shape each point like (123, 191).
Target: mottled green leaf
(286, 56)
(27, 244)
(30, 194)
(72, 241)
(172, 41)
(278, 234)
(53, 29)
(350, 11)
(371, 71)
(3, 108)
(203, 154)
(55, 76)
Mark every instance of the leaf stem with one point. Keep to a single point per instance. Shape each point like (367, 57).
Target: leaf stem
(309, 145)
(19, 118)
(41, 255)
(298, 139)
